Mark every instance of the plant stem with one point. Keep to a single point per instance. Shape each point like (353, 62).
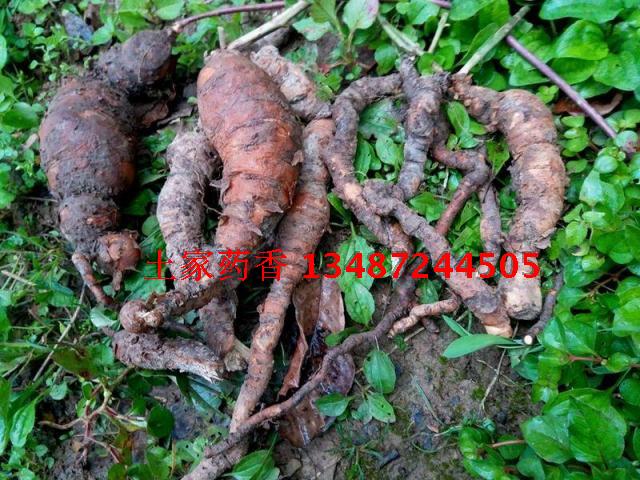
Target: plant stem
(492, 41)
(276, 22)
(506, 443)
(180, 24)
(442, 23)
(555, 78)
(399, 38)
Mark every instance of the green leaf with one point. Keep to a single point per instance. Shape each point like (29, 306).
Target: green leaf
(583, 40)
(389, 152)
(574, 71)
(360, 14)
(251, 465)
(23, 422)
(417, 11)
(333, 404)
(360, 303)
(160, 422)
(530, 465)
(630, 391)
(312, 30)
(21, 116)
(626, 319)
(592, 191)
(463, 9)
(548, 436)
(3, 52)
(324, 11)
(427, 205)
(379, 371)
(380, 409)
(599, 11)
(59, 391)
(585, 419)
(621, 71)
(455, 326)
(385, 56)
(100, 319)
(5, 419)
(472, 343)
(363, 158)
(168, 9)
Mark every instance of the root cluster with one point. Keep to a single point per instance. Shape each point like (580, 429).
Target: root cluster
(278, 146)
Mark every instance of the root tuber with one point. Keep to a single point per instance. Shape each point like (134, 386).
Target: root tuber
(539, 179)
(298, 234)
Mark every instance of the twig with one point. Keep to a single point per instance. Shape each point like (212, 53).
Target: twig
(180, 24)
(276, 22)
(442, 23)
(555, 78)
(222, 38)
(506, 443)
(399, 38)
(496, 38)
(493, 381)
(64, 334)
(18, 278)
(547, 311)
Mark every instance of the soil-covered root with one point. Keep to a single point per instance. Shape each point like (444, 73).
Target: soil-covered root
(425, 94)
(149, 350)
(298, 234)
(248, 122)
(422, 311)
(538, 175)
(181, 216)
(295, 85)
(339, 161)
(547, 310)
(479, 297)
(87, 150)
(220, 453)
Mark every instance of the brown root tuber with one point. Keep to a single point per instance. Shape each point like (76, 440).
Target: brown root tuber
(88, 142)
(297, 88)
(247, 121)
(148, 350)
(475, 293)
(298, 234)
(419, 312)
(539, 179)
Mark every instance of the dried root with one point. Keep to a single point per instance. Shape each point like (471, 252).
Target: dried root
(539, 179)
(420, 312)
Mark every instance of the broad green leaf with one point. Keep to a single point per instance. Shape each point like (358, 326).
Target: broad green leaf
(360, 14)
(630, 391)
(333, 404)
(472, 343)
(548, 436)
(463, 9)
(360, 303)
(626, 319)
(583, 40)
(312, 30)
(481, 37)
(455, 326)
(378, 119)
(585, 419)
(251, 465)
(621, 71)
(100, 319)
(385, 56)
(160, 422)
(530, 465)
(23, 421)
(417, 11)
(4, 55)
(324, 11)
(168, 9)
(380, 409)
(599, 11)
(592, 191)
(379, 371)
(21, 116)
(573, 71)
(363, 158)
(389, 152)
(427, 205)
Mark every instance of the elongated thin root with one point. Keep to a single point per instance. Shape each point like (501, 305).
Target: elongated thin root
(419, 312)
(425, 95)
(83, 266)
(538, 176)
(404, 288)
(547, 311)
(474, 292)
(299, 90)
(149, 350)
(299, 234)
(490, 225)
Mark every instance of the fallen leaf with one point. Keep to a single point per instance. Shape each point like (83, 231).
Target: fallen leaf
(602, 106)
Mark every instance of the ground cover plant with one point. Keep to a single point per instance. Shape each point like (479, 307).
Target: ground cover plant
(354, 136)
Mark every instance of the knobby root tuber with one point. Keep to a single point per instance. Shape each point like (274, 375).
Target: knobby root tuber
(419, 312)
(88, 142)
(298, 234)
(538, 175)
(248, 122)
(474, 292)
